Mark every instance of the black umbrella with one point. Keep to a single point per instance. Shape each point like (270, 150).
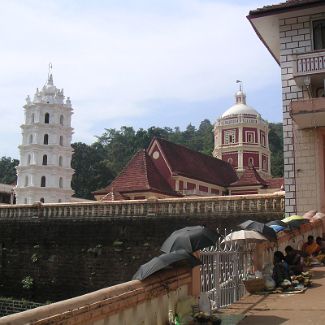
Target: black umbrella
(190, 238)
(164, 260)
(259, 227)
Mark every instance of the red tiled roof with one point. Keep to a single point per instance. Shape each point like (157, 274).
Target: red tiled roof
(283, 6)
(139, 175)
(195, 165)
(250, 177)
(275, 182)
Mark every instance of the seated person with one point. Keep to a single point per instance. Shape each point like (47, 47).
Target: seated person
(321, 243)
(310, 248)
(293, 259)
(280, 269)
(321, 253)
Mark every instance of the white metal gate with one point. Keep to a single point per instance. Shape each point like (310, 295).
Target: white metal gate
(222, 271)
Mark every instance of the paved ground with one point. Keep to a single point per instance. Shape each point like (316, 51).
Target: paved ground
(276, 309)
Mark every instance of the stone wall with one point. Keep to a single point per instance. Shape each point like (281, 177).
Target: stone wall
(10, 306)
(45, 255)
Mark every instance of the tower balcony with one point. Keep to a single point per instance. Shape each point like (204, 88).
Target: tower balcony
(308, 113)
(309, 68)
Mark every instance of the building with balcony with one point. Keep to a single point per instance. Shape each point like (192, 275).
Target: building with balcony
(44, 172)
(294, 33)
(241, 138)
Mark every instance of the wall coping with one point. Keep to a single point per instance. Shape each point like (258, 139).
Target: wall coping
(108, 300)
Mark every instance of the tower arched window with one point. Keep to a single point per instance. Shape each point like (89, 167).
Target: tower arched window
(61, 119)
(26, 180)
(230, 161)
(60, 182)
(43, 181)
(61, 140)
(42, 200)
(29, 159)
(30, 141)
(60, 161)
(250, 161)
(44, 162)
(32, 118)
(46, 139)
(47, 118)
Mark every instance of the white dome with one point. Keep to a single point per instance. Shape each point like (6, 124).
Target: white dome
(240, 108)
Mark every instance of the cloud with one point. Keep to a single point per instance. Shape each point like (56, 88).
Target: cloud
(113, 58)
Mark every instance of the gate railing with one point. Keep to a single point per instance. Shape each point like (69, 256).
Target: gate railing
(223, 269)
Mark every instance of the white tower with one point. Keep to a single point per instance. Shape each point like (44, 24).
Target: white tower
(44, 172)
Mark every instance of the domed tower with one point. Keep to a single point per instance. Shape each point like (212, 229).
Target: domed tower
(44, 172)
(241, 138)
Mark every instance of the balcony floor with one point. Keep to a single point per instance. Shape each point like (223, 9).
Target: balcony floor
(276, 309)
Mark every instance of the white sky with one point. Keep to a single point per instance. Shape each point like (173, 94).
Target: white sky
(138, 63)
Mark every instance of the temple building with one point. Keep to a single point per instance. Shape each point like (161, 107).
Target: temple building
(241, 138)
(166, 169)
(44, 173)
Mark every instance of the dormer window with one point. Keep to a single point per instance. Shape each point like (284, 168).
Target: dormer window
(319, 34)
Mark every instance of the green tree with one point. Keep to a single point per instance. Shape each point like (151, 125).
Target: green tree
(91, 169)
(276, 147)
(8, 170)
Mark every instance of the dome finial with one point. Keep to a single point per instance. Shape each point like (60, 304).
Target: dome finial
(50, 77)
(240, 84)
(240, 95)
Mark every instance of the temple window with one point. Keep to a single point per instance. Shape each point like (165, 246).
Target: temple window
(47, 118)
(30, 139)
(61, 182)
(43, 181)
(61, 140)
(60, 161)
(230, 136)
(250, 137)
(44, 160)
(61, 119)
(46, 139)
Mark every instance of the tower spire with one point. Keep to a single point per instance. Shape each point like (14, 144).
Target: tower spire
(240, 95)
(50, 77)
(240, 84)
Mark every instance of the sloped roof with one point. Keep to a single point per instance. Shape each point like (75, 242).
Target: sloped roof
(250, 177)
(192, 164)
(283, 6)
(275, 182)
(139, 175)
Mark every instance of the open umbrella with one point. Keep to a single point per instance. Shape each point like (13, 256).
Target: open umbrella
(190, 238)
(250, 236)
(164, 260)
(293, 217)
(276, 223)
(296, 223)
(259, 227)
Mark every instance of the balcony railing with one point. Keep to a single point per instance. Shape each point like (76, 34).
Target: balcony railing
(308, 113)
(310, 63)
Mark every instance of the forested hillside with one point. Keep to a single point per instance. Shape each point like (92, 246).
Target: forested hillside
(97, 164)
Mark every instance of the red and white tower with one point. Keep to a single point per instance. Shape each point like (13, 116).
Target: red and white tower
(241, 138)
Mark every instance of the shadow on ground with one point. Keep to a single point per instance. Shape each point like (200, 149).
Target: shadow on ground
(265, 320)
